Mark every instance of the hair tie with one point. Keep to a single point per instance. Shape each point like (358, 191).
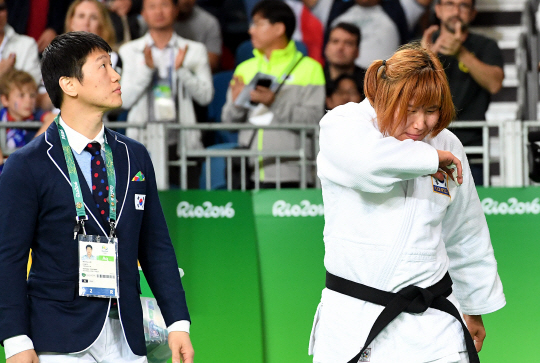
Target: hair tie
(383, 73)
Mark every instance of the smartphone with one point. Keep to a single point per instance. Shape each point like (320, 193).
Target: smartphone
(264, 82)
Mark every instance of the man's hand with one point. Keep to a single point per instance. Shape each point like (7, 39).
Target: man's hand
(45, 39)
(427, 39)
(450, 44)
(180, 344)
(477, 330)
(237, 85)
(26, 356)
(446, 158)
(180, 57)
(262, 95)
(148, 57)
(7, 64)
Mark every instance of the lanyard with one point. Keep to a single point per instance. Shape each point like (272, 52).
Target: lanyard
(292, 65)
(76, 186)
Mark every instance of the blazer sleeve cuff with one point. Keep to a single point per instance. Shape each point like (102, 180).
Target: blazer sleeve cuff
(182, 325)
(17, 344)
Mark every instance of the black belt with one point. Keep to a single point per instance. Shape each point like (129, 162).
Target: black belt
(411, 299)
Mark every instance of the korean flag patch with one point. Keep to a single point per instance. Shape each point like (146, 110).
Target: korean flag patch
(441, 187)
(139, 201)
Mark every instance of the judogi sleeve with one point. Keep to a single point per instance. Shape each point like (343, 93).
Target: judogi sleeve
(473, 268)
(354, 154)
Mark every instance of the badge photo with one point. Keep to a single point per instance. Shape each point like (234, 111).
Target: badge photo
(139, 201)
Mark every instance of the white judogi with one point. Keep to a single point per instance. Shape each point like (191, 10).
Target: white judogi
(389, 224)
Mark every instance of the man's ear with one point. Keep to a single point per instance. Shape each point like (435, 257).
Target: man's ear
(68, 85)
(4, 100)
(279, 29)
(437, 8)
(473, 15)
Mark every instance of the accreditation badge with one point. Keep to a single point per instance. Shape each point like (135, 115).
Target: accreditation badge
(98, 266)
(164, 105)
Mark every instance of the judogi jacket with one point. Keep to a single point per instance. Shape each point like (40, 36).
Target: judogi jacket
(390, 224)
(38, 212)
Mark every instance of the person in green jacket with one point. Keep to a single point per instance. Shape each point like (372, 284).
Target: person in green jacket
(299, 100)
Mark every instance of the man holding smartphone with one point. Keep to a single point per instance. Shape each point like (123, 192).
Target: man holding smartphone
(289, 90)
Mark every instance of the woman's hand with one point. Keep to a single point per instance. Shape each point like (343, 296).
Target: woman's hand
(476, 328)
(446, 158)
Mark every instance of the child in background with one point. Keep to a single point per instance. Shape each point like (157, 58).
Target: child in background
(18, 92)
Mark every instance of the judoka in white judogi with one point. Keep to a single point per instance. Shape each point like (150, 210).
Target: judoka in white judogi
(390, 224)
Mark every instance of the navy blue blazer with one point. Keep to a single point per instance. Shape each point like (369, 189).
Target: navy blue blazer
(37, 211)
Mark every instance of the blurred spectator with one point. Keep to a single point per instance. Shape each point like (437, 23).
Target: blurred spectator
(299, 101)
(234, 23)
(163, 74)
(341, 51)
(343, 90)
(124, 17)
(195, 23)
(385, 25)
(473, 64)
(16, 51)
(92, 16)
(18, 92)
(328, 10)
(309, 30)
(27, 17)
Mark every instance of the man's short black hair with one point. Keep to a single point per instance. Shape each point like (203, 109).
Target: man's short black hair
(332, 87)
(89, 246)
(351, 29)
(276, 11)
(175, 2)
(64, 57)
(473, 3)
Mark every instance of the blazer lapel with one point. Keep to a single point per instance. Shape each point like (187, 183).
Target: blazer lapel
(121, 169)
(57, 155)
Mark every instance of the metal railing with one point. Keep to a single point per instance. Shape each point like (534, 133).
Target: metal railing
(526, 126)
(512, 134)
(305, 133)
(483, 149)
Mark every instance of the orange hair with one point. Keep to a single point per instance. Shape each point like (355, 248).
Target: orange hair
(412, 74)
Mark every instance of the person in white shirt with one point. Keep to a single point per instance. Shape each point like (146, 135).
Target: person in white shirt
(401, 223)
(17, 51)
(162, 75)
(382, 33)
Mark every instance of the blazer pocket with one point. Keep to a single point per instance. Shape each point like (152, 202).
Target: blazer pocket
(52, 290)
(139, 186)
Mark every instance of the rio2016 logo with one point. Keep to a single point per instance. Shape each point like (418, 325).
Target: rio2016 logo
(207, 210)
(305, 209)
(512, 206)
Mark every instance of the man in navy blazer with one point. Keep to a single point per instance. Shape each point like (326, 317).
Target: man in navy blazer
(45, 313)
